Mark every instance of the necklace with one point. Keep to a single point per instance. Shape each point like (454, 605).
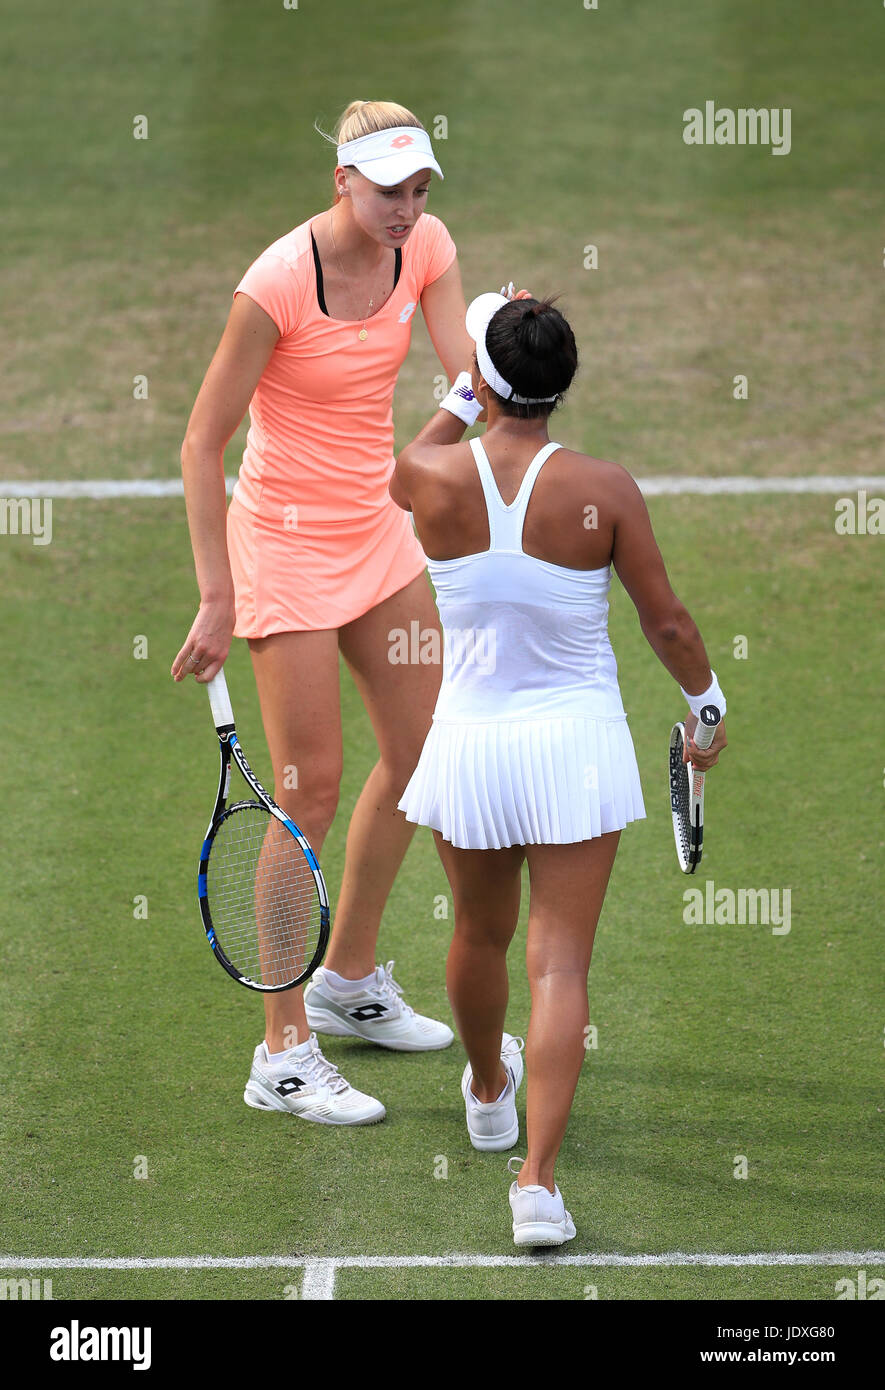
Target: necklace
(364, 332)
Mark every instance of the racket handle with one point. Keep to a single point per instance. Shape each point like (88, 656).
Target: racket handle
(707, 725)
(219, 699)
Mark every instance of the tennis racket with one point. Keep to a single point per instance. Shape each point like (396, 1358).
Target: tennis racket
(262, 896)
(687, 790)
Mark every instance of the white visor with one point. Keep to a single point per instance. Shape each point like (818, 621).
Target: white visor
(389, 156)
(480, 313)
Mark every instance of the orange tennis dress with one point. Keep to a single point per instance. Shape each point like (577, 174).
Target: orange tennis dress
(313, 536)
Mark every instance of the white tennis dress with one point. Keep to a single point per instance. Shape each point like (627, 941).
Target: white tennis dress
(529, 742)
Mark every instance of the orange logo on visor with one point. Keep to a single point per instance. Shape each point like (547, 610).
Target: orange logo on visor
(401, 141)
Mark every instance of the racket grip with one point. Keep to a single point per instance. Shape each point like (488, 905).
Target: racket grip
(219, 699)
(705, 732)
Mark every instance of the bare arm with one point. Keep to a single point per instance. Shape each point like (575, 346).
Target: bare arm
(245, 348)
(444, 309)
(442, 304)
(443, 428)
(665, 621)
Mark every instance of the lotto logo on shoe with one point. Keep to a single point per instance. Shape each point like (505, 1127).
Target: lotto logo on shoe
(290, 1086)
(366, 1012)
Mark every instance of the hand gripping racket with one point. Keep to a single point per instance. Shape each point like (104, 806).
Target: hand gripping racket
(687, 790)
(262, 896)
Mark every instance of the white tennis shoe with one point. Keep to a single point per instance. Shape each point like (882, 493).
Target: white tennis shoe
(306, 1084)
(539, 1216)
(377, 1013)
(494, 1125)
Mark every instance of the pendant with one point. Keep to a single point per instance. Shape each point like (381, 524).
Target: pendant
(363, 334)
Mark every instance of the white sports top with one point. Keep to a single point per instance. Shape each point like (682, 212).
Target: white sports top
(524, 638)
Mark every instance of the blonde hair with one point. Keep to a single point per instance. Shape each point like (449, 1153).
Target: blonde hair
(366, 117)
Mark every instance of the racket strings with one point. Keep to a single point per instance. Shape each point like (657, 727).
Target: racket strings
(263, 897)
(682, 809)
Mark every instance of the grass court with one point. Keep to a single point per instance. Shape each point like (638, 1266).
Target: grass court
(122, 1040)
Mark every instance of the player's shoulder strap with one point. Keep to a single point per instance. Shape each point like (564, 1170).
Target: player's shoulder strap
(506, 519)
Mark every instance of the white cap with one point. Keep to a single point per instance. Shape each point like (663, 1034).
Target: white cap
(389, 156)
(480, 313)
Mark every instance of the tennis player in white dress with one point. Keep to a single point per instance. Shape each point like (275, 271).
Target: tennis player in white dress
(529, 757)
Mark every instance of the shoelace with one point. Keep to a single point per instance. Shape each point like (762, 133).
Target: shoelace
(323, 1071)
(394, 992)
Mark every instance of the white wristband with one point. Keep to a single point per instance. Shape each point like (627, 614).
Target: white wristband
(461, 401)
(711, 696)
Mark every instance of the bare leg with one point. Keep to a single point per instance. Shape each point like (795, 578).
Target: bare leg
(486, 888)
(568, 884)
(399, 699)
(297, 678)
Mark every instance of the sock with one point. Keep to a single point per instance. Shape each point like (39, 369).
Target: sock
(348, 986)
(300, 1050)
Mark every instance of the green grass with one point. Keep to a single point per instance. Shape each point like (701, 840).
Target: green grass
(124, 1039)
(122, 255)
(121, 1037)
(575, 1284)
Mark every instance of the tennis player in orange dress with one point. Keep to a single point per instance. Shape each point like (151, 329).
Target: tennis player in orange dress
(313, 558)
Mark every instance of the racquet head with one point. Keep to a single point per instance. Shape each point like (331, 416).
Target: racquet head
(680, 801)
(261, 906)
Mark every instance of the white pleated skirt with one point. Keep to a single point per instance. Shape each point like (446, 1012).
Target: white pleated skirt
(549, 781)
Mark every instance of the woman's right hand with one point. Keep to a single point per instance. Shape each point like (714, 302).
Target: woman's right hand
(702, 758)
(208, 642)
(510, 293)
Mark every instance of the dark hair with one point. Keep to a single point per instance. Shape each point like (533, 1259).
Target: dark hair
(534, 349)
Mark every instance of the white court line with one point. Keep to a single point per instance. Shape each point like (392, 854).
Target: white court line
(319, 1279)
(98, 488)
(709, 487)
(669, 1260)
(664, 486)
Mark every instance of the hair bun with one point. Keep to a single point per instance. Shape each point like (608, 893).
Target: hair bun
(538, 329)
(536, 309)
(534, 349)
